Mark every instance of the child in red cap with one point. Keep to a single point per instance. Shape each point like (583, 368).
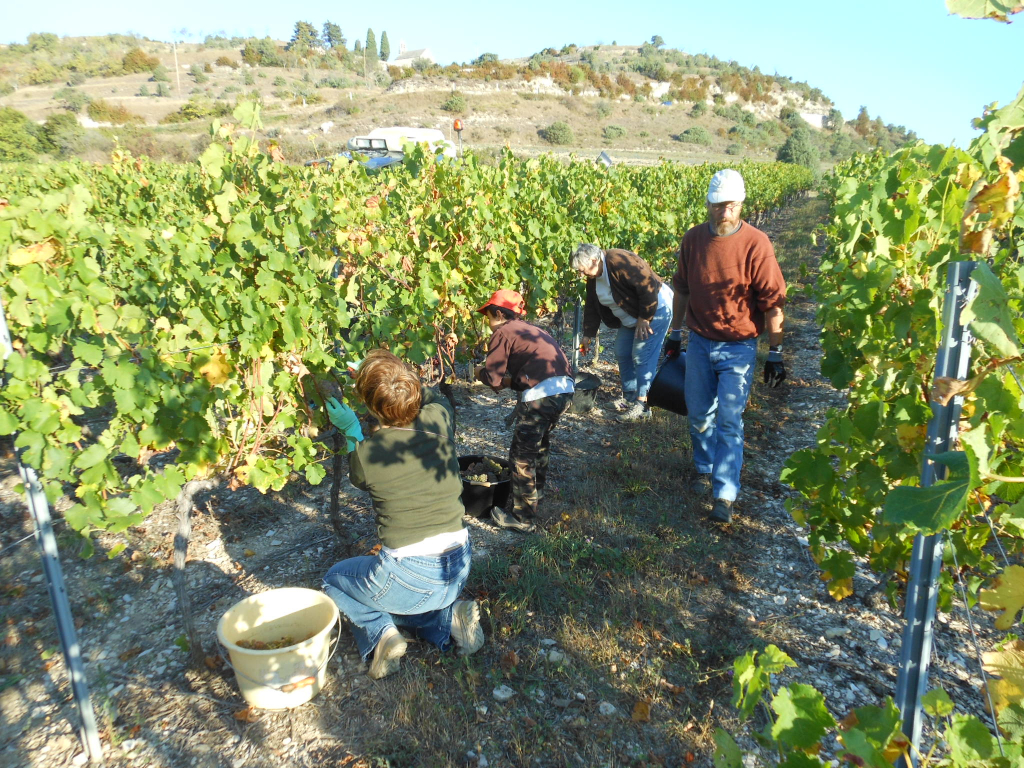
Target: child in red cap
(525, 358)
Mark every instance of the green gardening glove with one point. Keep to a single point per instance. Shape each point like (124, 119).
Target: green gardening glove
(345, 419)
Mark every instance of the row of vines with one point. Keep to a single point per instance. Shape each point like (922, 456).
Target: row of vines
(197, 311)
(896, 223)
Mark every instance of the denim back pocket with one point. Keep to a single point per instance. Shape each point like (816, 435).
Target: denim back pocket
(399, 597)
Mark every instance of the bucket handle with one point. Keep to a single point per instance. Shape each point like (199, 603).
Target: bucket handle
(287, 687)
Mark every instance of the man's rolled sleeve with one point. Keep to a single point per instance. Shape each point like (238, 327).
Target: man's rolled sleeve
(496, 362)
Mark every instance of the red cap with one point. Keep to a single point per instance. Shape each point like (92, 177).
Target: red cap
(507, 299)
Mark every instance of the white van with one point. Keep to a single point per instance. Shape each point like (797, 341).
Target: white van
(395, 137)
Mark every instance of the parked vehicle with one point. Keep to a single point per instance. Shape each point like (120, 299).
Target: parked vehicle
(383, 147)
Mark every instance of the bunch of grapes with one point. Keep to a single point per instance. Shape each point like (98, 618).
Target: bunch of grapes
(485, 471)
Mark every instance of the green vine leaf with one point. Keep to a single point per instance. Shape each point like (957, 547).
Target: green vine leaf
(803, 719)
(999, 10)
(936, 508)
(989, 315)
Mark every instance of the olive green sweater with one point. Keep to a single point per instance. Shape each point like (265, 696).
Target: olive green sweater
(412, 474)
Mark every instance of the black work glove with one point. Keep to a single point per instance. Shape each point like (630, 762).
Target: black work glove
(673, 348)
(774, 370)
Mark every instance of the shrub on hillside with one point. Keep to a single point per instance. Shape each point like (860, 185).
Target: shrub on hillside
(160, 75)
(699, 109)
(247, 78)
(197, 73)
(612, 132)
(162, 91)
(799, 149)
(734, 149)
(454, 103)
(62, 134)
(224, 61)
(695, 135)
(143, 90)
(76, 78)
(72, 100)
(557, 133)
(197, 108)
(334, 81)
(116, 114)
(604, 110)
(6, 88)
(18, 136)
(137, 60)
(262, 52)
(280, 82)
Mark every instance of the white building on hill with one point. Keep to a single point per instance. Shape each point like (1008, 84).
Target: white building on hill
(406, 58)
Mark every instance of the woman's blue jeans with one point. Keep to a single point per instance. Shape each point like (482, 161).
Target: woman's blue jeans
(638, 360)
(379, 591)
(718, 378)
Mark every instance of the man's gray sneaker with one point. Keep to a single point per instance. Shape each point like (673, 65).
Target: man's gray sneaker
(637, 412)
(722, 511)
(701, 485)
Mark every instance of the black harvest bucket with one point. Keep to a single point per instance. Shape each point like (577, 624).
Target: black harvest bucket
(479, 498)
(668, 390)
(585, 396)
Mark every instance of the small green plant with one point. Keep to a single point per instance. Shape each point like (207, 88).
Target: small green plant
(604, 110)
(557, 133)
(143, 90)
(799, 725)
(247, 78)
(279, 82)
(699, 109)
(612, 132)
(454, 103)
(734, 149)
(163, 91)
(160, 75)
(695, 135)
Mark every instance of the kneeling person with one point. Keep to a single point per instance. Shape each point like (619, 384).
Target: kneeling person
(411, 469)
(525, 358)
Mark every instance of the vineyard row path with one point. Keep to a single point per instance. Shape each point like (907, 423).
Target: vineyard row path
(629, 668)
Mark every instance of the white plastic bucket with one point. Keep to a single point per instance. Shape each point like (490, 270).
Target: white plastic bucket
(284, 677)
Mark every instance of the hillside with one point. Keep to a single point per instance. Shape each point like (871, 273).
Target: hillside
(638, 103)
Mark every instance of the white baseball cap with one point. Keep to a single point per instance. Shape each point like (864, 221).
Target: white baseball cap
(726, 186)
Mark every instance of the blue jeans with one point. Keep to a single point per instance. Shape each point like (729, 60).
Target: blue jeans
(718, 378)
(638, 360)
(379, 591)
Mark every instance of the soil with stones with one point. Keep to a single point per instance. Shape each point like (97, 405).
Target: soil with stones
(557, 683)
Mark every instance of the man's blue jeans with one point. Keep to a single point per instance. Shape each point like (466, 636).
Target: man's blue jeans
(379, 591)
(718, 378)
(638, 360)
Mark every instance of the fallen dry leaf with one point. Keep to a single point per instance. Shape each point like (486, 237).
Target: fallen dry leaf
(509, 661)
(247, 715)
(642, 712)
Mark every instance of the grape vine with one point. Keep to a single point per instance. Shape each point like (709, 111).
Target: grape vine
(185, 317)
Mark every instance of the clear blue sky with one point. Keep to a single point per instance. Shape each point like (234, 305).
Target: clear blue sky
(906, 60)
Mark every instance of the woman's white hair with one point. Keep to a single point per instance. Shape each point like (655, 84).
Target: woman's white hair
(585, 256)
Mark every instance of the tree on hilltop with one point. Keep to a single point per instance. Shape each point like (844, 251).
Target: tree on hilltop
(304, 38)
(332, 35)
(385, 47)
(657, 41)
(371, 44)
(862, 125)
(485, 58)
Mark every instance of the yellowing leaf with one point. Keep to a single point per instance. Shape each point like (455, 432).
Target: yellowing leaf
(840, 588)
(911, 436)
(1007, 595)
(1008, 664)
(216, 369)
(642, 712)
(38, 252)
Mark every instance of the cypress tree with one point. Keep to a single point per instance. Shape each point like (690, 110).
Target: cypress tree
(385, 48)
(371, 44)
